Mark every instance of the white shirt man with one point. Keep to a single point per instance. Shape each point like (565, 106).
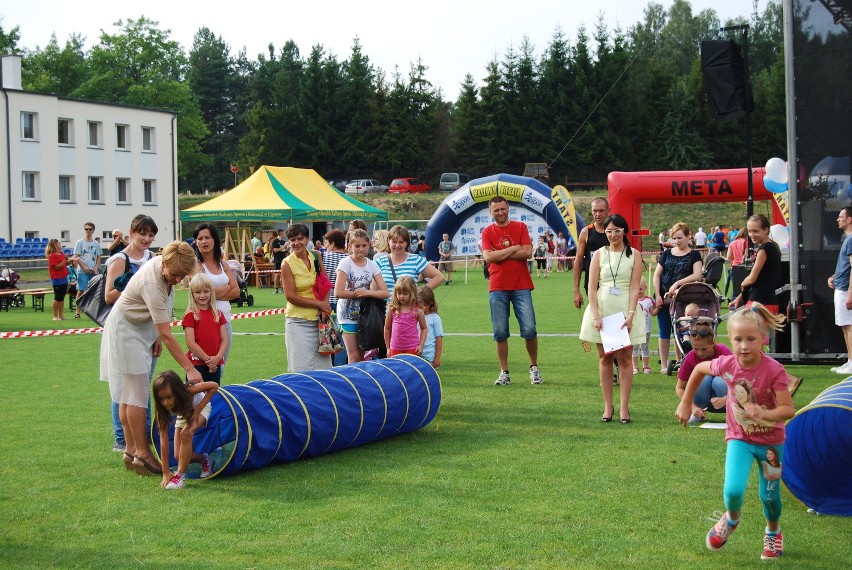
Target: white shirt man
(700, 238)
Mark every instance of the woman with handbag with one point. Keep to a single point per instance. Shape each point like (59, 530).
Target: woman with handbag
(120, 267)
(135, 331)
(300, 273)
(355, 275)
(401, 263)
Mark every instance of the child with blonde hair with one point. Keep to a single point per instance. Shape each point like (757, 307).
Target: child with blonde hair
(402, 320)
(434, 327)
(204, 326)
(759, 386)
(649, 308)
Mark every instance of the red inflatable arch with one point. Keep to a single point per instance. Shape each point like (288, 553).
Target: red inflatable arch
(629, 190)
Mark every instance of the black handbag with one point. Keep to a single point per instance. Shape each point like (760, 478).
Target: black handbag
(93, 300)
(371, 324)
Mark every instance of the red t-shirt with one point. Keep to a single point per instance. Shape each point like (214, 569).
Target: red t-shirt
(692, 360)
(511, 274)
(55, 259)
(207, 333)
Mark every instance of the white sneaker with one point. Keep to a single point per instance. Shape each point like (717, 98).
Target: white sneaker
(836, 368)
(845, 369)
(694, 421)
(205, 467)
(503, 379)
(535, 377)
(177, 482)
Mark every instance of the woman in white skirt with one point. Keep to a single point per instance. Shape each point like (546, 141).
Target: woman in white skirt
(298, 276)
(135, 331)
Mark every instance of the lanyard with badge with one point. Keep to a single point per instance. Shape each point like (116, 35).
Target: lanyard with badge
(614, 290)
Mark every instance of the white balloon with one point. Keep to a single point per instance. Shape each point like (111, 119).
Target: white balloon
(776, 170)
(780, 235)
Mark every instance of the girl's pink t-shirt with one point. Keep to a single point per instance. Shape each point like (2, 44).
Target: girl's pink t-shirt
(404, 331)
(757, 385)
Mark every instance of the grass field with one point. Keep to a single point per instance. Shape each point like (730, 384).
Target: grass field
(505, 477)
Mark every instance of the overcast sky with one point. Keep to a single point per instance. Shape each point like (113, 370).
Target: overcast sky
(451, 37)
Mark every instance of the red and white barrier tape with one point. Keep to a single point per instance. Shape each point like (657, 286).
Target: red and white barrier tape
(90, 330)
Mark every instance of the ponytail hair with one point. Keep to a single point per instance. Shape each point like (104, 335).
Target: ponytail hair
(759, 315)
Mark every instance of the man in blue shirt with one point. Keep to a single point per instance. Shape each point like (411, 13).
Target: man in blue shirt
(842, 292)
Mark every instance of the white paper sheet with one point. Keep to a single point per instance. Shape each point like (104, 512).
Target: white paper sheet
(714, 425)
(613, 337)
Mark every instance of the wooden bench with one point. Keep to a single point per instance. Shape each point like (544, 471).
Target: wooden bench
(36, 294)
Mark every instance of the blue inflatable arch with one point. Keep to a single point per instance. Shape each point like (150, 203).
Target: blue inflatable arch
(464, 213)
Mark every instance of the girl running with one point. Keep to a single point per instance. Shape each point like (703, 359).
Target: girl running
(758, 404)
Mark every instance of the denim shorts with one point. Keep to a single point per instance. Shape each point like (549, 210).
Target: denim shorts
(522, 302)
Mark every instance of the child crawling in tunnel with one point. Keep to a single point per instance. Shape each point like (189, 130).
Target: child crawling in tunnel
(191, 404)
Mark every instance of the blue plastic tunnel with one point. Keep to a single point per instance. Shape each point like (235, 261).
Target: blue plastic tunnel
(307, 414)
(818, 453)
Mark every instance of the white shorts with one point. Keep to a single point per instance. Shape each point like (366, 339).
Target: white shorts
(180, 422)
(842, 315)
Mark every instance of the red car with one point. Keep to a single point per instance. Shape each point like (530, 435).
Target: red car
(413, 185)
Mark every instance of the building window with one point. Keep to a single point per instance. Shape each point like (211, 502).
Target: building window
(149, 191)
(29, 126)
(65, 132)
(30, 234)
(66, 188)
(30, 186)
(95, 189)
(122, 191)
(121, 141)
(65, 235)
(95, 134)
(148, 139)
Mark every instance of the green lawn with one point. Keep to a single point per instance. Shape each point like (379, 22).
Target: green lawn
(505, 477)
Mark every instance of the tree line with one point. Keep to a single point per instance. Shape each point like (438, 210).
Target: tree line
(605, 99)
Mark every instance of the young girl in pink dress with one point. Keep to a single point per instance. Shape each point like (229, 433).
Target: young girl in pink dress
(403, 317)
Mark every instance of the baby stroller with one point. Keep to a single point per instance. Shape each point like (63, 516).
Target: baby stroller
(709, 308)
(714, 266)
(240, 276)
(8, 278)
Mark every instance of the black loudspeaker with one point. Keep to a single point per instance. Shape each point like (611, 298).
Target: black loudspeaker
(726, 87)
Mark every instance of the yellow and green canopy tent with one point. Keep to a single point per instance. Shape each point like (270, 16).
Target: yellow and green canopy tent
(281, 193)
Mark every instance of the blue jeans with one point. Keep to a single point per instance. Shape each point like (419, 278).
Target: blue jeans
(664, 320)
(711, 387)
(738, 459)
(521, 300)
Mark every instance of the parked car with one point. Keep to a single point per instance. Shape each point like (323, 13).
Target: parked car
(451, 181)
(365, 186)
(412, 185)
(339, 183)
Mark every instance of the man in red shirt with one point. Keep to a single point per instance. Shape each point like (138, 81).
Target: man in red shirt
(506, 246)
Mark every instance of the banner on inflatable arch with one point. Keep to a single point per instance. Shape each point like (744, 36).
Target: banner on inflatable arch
(464, 213)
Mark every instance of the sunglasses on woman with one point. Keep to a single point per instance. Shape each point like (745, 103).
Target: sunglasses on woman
(700, 333)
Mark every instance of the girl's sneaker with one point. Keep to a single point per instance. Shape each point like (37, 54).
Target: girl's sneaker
(177, 482)
(773, 546)
(719, 534)
(205, 467)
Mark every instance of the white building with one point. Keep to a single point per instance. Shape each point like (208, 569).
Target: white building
(65, 162)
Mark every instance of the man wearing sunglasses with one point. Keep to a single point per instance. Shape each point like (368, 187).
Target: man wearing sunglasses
(88, 253)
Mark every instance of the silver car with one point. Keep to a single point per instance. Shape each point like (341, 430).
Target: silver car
(365, 186)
